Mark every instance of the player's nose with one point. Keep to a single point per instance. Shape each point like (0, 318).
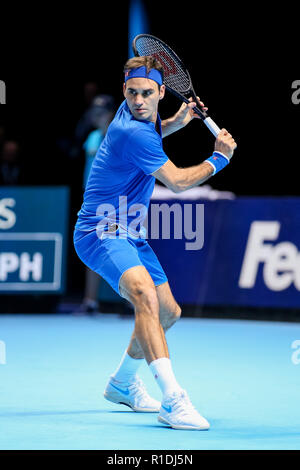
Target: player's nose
(139, 100)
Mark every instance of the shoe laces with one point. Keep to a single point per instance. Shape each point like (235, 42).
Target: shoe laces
(182, 404)
(138, 388)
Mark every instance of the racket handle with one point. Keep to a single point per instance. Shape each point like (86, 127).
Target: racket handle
(212, 126)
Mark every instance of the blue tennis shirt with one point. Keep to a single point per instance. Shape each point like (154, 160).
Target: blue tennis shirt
(120, 183)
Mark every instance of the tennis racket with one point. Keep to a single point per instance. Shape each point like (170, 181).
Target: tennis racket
(176, 76)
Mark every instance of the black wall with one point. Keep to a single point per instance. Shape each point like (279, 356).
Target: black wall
(242, 60)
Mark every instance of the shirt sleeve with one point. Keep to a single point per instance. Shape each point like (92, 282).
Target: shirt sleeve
(144, 150)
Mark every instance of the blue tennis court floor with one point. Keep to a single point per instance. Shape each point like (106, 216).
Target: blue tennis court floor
(241, 375)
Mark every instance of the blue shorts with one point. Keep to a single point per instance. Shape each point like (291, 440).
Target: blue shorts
(111, 257)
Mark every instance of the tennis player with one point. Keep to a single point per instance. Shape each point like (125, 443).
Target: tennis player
(128, 160)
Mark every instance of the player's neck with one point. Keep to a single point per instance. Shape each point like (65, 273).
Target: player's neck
(153, 118)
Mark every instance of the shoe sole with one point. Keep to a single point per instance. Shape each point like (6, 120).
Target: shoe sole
(181, 426)
(137, 410)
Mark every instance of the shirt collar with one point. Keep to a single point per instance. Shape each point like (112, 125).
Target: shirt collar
(156, 126)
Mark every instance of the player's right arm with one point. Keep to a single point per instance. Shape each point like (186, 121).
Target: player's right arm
(181, 179)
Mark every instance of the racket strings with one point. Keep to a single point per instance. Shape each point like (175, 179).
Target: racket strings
(175, 76)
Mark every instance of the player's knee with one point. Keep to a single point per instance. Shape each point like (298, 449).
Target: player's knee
(170, 316)
(175, 313)
(144, 297)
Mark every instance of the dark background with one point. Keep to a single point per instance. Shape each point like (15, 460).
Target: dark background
(242, 60)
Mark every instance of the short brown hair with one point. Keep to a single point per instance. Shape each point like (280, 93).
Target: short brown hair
(148, 61)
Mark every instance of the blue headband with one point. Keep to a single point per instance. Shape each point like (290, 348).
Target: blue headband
(141, 72)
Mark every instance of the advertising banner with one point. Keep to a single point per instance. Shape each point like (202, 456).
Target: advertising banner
(33, 232)
(250, 254)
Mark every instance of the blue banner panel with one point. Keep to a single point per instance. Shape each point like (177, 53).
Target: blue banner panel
(184, 259)
(256, 258)
(250, 255)
(33, 238)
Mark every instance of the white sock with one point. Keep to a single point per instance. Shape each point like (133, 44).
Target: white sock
(127, 368)
(163, 373)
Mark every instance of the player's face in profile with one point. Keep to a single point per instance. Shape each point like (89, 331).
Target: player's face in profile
(143, 95)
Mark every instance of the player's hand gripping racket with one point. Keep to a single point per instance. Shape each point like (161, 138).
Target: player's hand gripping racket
(176, 77)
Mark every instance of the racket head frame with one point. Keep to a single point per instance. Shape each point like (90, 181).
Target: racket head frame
(184, 95)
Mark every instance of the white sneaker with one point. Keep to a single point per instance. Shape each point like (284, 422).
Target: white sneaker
(178, 412)
(132, 394)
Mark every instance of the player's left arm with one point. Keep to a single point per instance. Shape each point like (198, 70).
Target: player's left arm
(183, 116)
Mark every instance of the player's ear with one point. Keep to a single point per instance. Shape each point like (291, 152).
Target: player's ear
(162, 92)
(124, 88)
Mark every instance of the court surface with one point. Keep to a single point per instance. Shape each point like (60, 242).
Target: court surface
(239, 375)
